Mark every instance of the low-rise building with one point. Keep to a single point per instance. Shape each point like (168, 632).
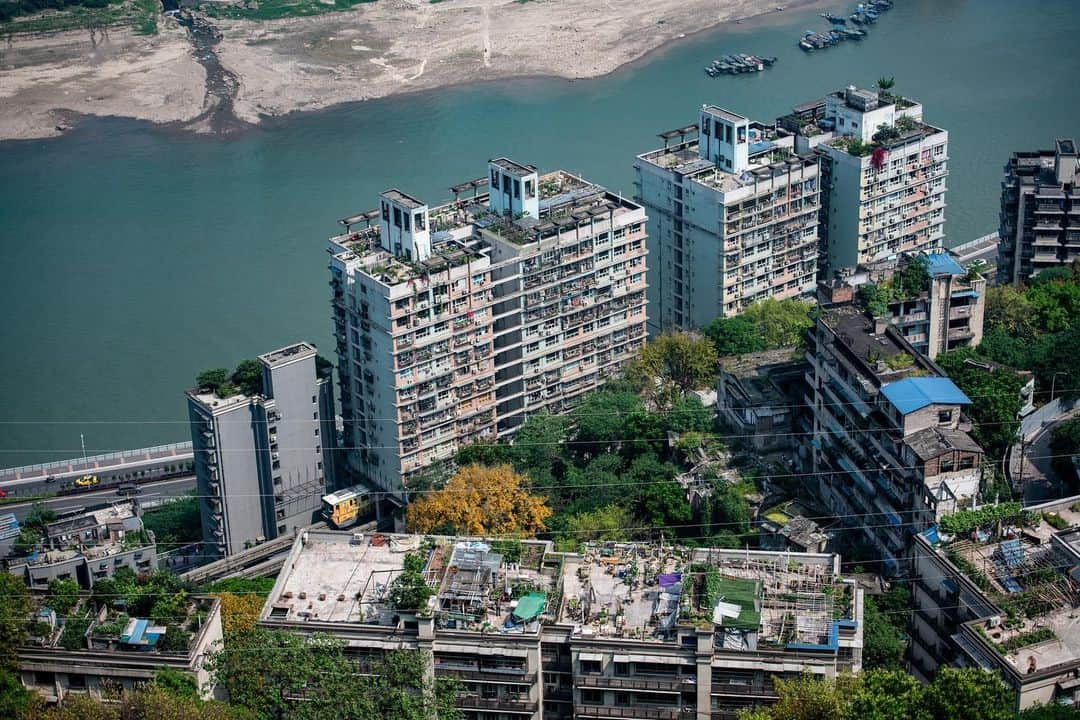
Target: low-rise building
(621, 630)
(96, 651)
(1004, 597)
(787, 527)
(751, 396)
(1040, 212)
(890, 450)
(89, 547)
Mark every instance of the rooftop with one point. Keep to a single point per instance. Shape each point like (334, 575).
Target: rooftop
(883, 350)
(1027, 571)
(633, 590)
(915, 393)
(288, 354)
(943, 263)
(769, 158)
(932, 442)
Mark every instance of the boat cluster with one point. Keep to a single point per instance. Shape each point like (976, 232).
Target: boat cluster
(736, 64)
(865, 14)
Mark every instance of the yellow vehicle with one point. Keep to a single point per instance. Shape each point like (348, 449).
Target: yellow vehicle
(87, 481)
(346, 507)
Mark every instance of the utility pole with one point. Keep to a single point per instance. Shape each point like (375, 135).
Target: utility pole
(1053, 382)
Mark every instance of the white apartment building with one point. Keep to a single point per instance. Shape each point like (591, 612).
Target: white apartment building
(733, 216)
(883, 175)
(455, 322)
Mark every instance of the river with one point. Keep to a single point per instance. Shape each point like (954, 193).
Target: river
(133, 256)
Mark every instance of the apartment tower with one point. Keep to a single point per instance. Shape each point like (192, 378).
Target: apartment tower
(455, 322)
(883, 175)
(260, 460)
(1040, 212)
(733, 215)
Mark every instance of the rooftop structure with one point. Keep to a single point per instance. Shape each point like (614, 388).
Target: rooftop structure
(1004, 595)
(1040, 212)
(885, 170)
(751, 396)
(454, 322)
(736, 198)
(541, 633)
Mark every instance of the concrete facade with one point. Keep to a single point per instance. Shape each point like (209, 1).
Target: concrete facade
(877, 201)
(260, 460)
(508, 313)
(617, 632)
(733, 218)
(751, 397)
(1040, 212)
(885, 468)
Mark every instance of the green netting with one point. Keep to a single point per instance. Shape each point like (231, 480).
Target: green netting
(530, 606)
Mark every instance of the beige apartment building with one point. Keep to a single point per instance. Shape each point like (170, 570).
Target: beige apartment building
(620, 630)
(455, 322)
(733, 215)
(883, 175)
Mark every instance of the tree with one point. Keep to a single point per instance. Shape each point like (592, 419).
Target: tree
(480, 500)
(995, 398)
(1056, 304)
(1008, 309)
(176, 683)
(248, 376)
(673, 364)
(1064, 444)
(781, 323)
(886, 695)
(240, 611)
(39, 517)
(883, 644)
(734, 336)
(600, 420)
(607, 523)
(409, 590)
(886, 83)
(15, 609)
(278, 675)
(970, 693)
(1050, 712)
(689, 415)
(538, 446)
(63, 595)
(27, 541)
(212, 379)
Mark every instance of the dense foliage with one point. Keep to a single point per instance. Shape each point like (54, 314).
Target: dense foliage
(247, 378)
(279, 675)
(995, 398)
(1064, 445)
(884, 629)
(672, 365)
(14, 8)
(175, 523)
(965, 521)
(970, 693)
(764, 325)
(480, 500)
(910, 281)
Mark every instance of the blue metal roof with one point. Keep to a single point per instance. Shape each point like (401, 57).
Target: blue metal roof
(915, 393)
(942, 263)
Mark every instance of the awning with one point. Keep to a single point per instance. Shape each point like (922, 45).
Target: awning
(591, 657)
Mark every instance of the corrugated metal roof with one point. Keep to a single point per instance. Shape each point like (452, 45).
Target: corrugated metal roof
(911, 394)
(943, 264)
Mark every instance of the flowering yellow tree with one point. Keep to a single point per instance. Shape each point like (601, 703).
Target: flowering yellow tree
(480, 500)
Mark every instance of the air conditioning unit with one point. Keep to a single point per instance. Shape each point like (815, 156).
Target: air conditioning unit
(993, 621)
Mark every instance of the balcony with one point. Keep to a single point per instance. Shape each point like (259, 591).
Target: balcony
(763, 690)
(632, 712)
(627, 683)
(475, 702)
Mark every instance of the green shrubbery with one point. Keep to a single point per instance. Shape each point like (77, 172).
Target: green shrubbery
(967, 520)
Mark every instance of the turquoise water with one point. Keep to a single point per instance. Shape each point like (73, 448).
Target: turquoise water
(134, 257)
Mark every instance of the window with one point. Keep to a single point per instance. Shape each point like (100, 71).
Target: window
(947, 465)
(406, 219)
(397, 217)
(944, 416)
(386, 212)
(590, 667)
(622, 669)
(592, 697)
(77, 682)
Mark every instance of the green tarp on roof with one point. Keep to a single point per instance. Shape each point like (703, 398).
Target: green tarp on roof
(744, 594)
(530, 606)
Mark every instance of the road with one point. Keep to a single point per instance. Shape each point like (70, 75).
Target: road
(1041, 479)
(151, 492)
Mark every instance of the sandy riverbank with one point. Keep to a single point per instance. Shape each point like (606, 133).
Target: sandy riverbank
(376, 50)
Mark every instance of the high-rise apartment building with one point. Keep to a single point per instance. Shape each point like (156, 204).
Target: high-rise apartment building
(260, 459)
(455, 322)
(622, 631)
(733, 215)
(1040, 212)
(889, 453)
(882, 171)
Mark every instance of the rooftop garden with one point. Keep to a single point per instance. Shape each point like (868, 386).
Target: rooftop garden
(246, 378)
(98, 619)
(909, 281)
